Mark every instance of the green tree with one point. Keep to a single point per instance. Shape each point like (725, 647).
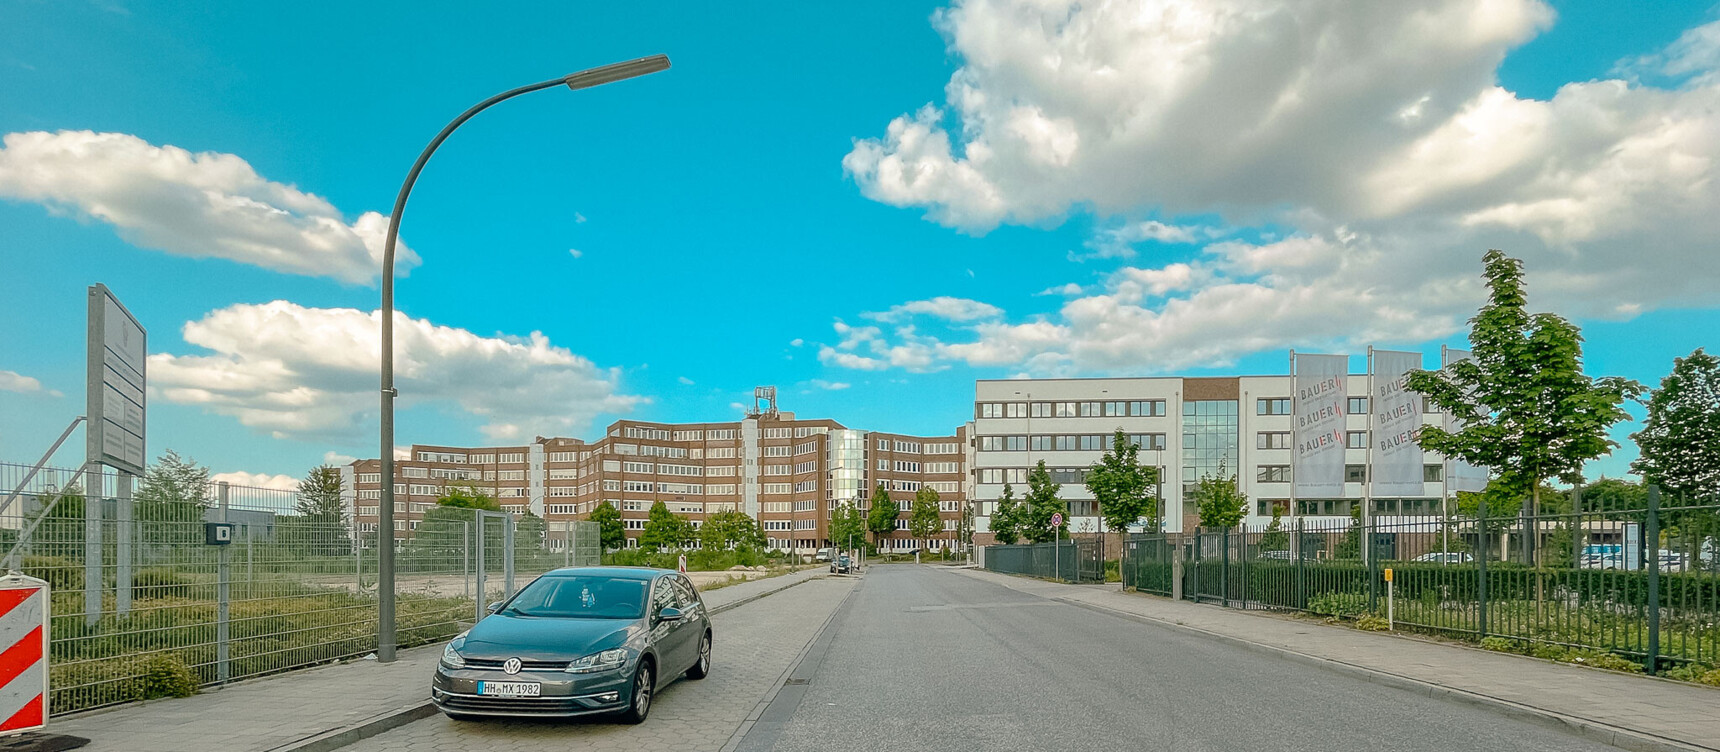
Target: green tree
(881, 518)
(729, 530)
(665, 529)
(847, 525)
(1614, 495)
(321, 513)
(467, 496)
(1680, 438)
(1005, 520)
(1039, 505)
(171, 500)
(61, 530)
(1275, 539)
(1529, 411)
(611, 532)
(924, 520)
(1125, 490)
(1221, 505)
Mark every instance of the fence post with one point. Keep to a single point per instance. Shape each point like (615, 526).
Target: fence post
(95, 487)
(508, 530)
(1301, 566)
(223, 581)
(1651, 547)
(122, 530)
(466, 559)
(478, 549)
(1482, 552)
(1369, 530)
(1177, 570)
(1224, 568)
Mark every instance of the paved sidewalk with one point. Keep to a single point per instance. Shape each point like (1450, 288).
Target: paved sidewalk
(1633, 712)
(280, 712)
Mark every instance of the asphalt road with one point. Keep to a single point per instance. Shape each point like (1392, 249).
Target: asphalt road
(923, 658)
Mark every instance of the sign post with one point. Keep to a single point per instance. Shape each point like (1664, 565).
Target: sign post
(1056, 546)
(116, 399)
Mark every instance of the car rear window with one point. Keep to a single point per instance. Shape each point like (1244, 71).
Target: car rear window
(581, 597)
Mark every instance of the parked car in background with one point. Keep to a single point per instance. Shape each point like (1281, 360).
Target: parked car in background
(578, 641)
(1602, 561)
(823, 555)
(841, 565)
(1445, 557)
(1280, 555)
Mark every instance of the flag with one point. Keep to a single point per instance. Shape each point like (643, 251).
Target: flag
(1394, 456)
(1322, 393)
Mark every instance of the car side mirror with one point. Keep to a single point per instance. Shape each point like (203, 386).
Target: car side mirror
(670, 613)
(494, 607)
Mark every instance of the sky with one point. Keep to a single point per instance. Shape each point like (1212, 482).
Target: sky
(866, 206)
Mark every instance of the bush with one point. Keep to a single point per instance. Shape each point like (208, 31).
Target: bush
(164, 675)
(1695, 672)
(1339, 605)
(161, 582)
(1373, 623)
(1501, 645)
(59, 572)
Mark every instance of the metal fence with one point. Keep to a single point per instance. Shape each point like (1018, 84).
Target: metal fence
(1644, 583)
(1076, 561)
(144, 606)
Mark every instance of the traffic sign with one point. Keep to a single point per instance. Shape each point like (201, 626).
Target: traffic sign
(1057, 519)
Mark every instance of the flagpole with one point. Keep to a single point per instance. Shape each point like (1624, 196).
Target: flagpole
(1367, 465)
(1444, 471)
(1294, 447)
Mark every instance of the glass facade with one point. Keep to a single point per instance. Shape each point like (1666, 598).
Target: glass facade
(1209, 440)
(847, 465)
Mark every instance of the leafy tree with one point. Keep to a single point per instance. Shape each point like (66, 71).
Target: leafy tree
(881, 518)
(61, 530)
(1680, 438)
(1614, 495)
(1123, 488)
(1005, 520)
(924, 521)
(729, 530)
(321, 512)
(171, 499)
(611, 532)
(1039, 505)
(665, 529)
(1221, 505)
(1530, 413)
(1275, 539)
(467, 496)
(847, 525)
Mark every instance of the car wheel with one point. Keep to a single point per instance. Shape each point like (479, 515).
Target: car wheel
(702, 668)
(642, 689)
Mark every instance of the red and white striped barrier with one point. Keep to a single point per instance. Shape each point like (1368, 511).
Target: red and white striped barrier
(23, 654)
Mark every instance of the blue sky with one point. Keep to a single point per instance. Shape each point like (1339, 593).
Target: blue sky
(729, 213)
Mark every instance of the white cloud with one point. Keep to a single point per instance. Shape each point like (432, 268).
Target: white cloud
(832, 386)
(201, 205)
(1373, 150)
(257, 480)
(943, 307)
(685, 381)
(578, 218)
(796, 342)
(12, 381)
(337, 459)
(576, 253)
(311, 372)
(1066, 289)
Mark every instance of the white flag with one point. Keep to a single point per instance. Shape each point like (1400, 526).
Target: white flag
(1460, 475)
(1322, 394)
(1395, 456)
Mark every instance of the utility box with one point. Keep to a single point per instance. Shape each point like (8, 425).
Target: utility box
(218, 533)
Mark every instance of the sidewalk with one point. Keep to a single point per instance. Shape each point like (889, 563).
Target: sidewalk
(1631, 712)
(305, 710)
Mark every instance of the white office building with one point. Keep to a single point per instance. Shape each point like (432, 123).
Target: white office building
(1188, 428)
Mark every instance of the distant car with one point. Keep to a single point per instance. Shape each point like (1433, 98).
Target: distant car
(1602, 561)
(823, 555)
(841, 565)
(1280, 555)
(578, 641)
(1445, 557)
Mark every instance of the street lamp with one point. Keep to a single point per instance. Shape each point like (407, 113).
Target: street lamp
(584, 79)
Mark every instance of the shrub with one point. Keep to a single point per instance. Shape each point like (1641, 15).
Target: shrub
(1373, 623)
(161, 582)
(59, 572)
(1600, 659)
(1695, 672)
(1501, 644)
(1339, 605)
(164, 675)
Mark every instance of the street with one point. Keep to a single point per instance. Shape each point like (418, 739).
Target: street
(923, 657)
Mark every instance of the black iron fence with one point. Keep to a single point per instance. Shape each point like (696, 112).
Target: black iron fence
(1075, 561)
(1643, 584)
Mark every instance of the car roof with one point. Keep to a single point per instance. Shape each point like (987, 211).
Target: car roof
(631, 573)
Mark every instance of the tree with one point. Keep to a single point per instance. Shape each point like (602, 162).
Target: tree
(730, 529)
(881, 518)
(610, 531)
(1039, 505)
(847, 525)
(171, 500)
(1529, 412)
(1221, 505)
(924, 519)
(467, 496)
(1123, 488)
(1005, 524)
(1275, 539)
(61, 529)
(321, 512)
(665, 529)
(1614, 495)
(1680, 438)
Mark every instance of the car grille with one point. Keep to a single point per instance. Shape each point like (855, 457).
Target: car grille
(472, 704)
(486, 663)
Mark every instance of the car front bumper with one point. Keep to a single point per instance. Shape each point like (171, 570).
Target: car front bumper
(562, 695)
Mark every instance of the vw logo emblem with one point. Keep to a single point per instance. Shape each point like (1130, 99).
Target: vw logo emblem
(511, 666)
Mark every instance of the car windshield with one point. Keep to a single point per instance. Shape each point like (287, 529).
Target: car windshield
(581, 597)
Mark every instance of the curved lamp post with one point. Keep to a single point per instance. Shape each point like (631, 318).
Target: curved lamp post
(584, 79)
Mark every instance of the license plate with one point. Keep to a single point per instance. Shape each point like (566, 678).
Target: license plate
(509, 689)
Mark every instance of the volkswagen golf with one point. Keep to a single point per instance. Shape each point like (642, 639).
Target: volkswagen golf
(579, 641)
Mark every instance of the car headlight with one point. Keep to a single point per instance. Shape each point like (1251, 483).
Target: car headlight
(607, 660)
(451, 657)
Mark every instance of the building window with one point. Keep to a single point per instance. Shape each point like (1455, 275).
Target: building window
(1272, 440)
(1272, 474)
(1265, 507)
(1355, 473)
(1272, 406)
(1358, 406)
(1432, 473)
(1356, 440)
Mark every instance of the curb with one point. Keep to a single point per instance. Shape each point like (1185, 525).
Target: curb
(382, 723)
(1616, 736)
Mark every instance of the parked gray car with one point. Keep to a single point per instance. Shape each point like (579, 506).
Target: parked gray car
(578, 641)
